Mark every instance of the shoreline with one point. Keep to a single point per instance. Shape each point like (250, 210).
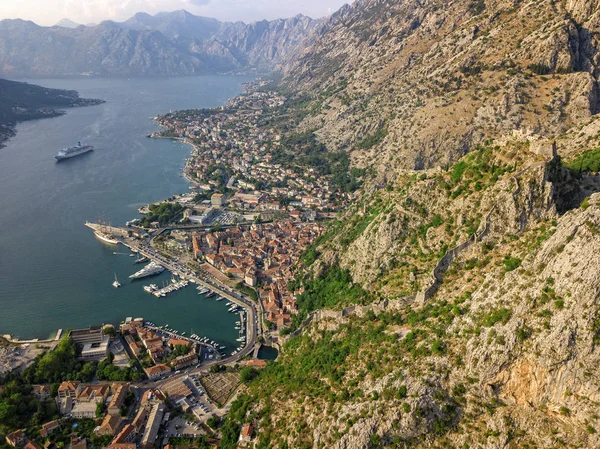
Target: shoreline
(10, 129)
(186, 141)
(14, 338)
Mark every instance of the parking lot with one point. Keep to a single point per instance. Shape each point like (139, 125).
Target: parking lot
(179, 427)
(224, 217)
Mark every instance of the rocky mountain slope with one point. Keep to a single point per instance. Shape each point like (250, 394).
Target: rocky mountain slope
(426, 81)
(475, 240)
(501, 353)
(176, 43)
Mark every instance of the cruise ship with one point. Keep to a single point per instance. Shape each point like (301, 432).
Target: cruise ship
(149, 270)
(70, 152)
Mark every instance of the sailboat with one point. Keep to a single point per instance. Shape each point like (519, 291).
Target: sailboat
(116, 283)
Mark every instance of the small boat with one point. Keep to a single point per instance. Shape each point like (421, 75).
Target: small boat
(151, 288)
(140, 259)
(116, 283)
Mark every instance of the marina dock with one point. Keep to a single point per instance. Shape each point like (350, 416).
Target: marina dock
(250, 325)
(162, 292)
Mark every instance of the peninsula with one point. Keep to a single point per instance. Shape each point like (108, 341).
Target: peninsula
(22, 101)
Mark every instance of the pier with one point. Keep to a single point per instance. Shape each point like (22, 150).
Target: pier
(162, 292)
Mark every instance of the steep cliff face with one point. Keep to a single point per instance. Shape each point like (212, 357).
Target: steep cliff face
(416, 84)
(177, 43)
(478, 247)
(503, 351)
(263, 44)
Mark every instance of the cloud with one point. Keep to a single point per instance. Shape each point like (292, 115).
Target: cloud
(48, 12)
(198, 2)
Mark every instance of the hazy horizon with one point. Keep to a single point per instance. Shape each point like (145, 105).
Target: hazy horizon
(49, 12)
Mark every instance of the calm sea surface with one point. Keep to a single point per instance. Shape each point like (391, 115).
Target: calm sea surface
(53, 272)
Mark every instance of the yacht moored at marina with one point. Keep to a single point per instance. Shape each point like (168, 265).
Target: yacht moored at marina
(105, 238)
(151, 288)
(149, 270)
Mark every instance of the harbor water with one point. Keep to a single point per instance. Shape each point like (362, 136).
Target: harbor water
(53, 272)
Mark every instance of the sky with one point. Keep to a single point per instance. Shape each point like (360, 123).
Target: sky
(48, 12)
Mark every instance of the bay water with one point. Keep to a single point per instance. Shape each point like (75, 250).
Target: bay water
(54, 274)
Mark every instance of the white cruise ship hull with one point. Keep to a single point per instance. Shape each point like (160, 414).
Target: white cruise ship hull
(61, 157)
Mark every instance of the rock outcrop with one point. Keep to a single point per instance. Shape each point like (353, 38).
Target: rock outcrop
(413, 85)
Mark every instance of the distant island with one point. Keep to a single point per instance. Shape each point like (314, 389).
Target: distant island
(23, 101)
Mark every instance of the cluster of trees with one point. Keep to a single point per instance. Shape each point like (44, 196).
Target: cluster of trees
(373, 139)
(248, 374)
(84, 429)
(19, 408)
(201, 196)
(475, 171)
(107, 371)
(198, 442)
(334, 286)
(586, 162)
(248, 291)
(219, 173)
(304, 149)
(59, 365)
(230, 428)
(163, 213)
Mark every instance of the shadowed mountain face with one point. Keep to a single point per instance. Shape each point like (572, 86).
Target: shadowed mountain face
(176, 43)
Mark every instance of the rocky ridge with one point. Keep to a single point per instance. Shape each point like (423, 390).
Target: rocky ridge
(176, 43)
(413, 85)
(502, 354)
(476, 248)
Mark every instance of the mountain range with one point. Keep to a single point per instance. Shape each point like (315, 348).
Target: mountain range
(456, 302)
(174, 43)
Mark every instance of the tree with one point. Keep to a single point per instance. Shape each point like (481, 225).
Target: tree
(100, 409)
(214, 421)
(247, 374)
(180, 350)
